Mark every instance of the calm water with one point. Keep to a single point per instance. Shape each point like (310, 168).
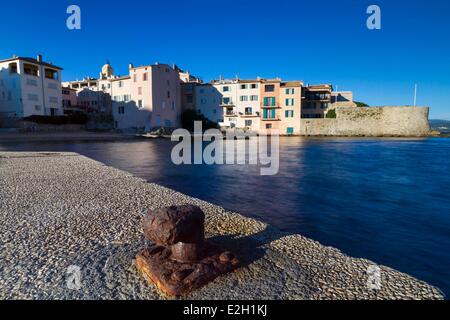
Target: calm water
(386, 200)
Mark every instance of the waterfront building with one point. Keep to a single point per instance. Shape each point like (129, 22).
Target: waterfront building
(291, 106)
(258, 105)
(70, 101)
(208, 101)
(29, 87)
(150, 97)
(316, 101)
(342, 99)
(270, 106)
(94, 94)
(188, 85)
(248, 104)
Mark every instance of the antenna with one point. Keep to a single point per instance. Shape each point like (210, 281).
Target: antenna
(415, 95)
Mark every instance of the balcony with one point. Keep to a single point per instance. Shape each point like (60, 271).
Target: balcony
(249, 115)
(271, 119)
(227, 103)
(276, 106)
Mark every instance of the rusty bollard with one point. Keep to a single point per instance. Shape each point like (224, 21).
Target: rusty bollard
(180, 260)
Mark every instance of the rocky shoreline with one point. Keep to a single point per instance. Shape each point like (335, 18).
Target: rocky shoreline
(62, 209)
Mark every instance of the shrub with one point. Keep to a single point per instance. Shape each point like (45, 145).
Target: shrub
(331, 114)
(361, 104)
(190, 116)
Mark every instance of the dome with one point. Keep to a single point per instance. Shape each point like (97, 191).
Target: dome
(107, 70)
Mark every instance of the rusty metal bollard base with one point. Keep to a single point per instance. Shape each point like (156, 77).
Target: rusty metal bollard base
(177, 279)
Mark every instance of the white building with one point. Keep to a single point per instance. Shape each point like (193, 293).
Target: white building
(29, 87)
(207, 102)
(231, 103)
(248, 104)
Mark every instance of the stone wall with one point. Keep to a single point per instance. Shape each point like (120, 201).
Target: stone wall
(374, 121)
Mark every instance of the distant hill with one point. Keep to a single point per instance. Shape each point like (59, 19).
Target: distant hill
(440, 125)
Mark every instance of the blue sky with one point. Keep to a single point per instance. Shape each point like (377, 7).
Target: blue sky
(318, 42)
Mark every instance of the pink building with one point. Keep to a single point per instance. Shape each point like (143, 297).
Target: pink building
(149, 98)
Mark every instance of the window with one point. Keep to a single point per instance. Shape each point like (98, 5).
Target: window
(121, 110)
(12, 67)
(290, 91)
(51, 74)
(10, 96)
(139, 90)
(31, 97)
(244, 98)
(134, 78)
(52, 86)
(37, 108)
(269, 88)
(248, 111)
(269, 114)
(254, 86)
(226, 89)
(269, 101)
(268, 126)
(248, 123)
(243, 86)
(163, 104)
(31, 70)
(254, 98)
(203, 101)
(325, 105)
(53, 100)
(189, 99)
(289, 102)
(226, 101)
(168, 94)
(289, 113)
(120, 84)
(126, 97)
(145, 76)
(140, 104)
(31, 82)
(168, 124)
(290, 130)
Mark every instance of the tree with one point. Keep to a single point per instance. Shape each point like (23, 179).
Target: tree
(190, 116)
(331, 114)
(361, 104)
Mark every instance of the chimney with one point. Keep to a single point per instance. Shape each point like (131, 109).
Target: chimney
(130, 66)
(39, 58)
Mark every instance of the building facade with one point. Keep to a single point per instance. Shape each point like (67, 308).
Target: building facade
(316, 101)
(29, 87)
(291, 106)
(70, 101)
(94, 94)
(149, 98)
